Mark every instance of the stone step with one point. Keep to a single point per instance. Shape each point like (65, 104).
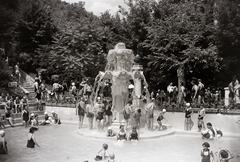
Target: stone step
(26, 84)
(28, 87)
(15, 125)
(18, 115)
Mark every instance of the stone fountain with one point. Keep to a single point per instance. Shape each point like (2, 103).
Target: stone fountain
(121, 81)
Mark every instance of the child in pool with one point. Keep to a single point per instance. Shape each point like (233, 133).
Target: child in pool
(110, 132)
(112, 157)
(134, 134)
(136, 118)
(122, 135)
(206, 153)
(102, 154)
(223, 155)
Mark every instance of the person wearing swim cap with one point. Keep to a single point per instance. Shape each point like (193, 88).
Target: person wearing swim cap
(188, 120)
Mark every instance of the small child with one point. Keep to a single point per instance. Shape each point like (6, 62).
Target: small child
(102, 154)
(160, 118)
(206, 153)
(112, 157)
(110, 132)
(134, 134)
(136, 118)
(122, 135)
(223, 155)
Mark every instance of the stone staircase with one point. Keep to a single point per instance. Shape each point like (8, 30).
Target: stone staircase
(28, 88)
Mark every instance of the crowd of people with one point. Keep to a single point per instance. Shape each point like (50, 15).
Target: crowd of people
(9, 106)
(197, 95)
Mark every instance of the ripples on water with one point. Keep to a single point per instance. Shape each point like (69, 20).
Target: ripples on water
(61, 144)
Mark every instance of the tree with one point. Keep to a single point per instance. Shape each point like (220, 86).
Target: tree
(35, 29)
(181, 42)
(227, 22)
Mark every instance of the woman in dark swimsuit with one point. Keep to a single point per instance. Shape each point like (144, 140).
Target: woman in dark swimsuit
(31, 142)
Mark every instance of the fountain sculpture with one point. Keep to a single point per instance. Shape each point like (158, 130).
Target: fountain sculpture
(123, 79)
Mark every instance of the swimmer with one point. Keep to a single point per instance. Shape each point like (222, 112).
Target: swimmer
(112, 157)
(134, 134)
(102, 154)
(223, 155)
(212, 132)
(122, 135)
(110, 132)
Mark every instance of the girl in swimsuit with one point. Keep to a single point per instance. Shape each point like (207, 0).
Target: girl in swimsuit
(122, 135)
(223, 155)
(206, 153)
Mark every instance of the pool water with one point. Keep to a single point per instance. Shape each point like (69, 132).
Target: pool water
(61, 143)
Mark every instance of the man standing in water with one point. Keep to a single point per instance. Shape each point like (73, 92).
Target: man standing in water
(150, 109)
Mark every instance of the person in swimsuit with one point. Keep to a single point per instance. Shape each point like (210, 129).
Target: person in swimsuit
(127, 113)
(108, 113)
(201, 114)
(31, 140)
(102, 154)
(160, 118)
(56, 118)
(223, 155)
(134, 134)
(150, 111)
(211, 132)
(33, 121)
(122, 135)
(206, 153)
(3, 143)
(188, 120)
(136, 118)
(100, 114)
(111, 157)
(110, 132)
(25, 116)
(80, 110)
(201, 92)
(90, 114)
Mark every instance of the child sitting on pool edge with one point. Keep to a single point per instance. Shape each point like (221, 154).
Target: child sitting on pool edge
(102, 154)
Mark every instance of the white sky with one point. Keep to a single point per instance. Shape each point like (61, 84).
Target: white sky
(100, 6)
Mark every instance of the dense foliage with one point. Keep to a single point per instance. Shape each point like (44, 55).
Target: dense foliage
(202, 37)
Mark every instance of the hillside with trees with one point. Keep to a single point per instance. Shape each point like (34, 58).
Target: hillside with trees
(176, 40)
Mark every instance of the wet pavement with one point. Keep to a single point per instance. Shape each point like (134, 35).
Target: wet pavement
(63, 143)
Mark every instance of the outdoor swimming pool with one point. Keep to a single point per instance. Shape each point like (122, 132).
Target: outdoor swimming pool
(62, 143)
